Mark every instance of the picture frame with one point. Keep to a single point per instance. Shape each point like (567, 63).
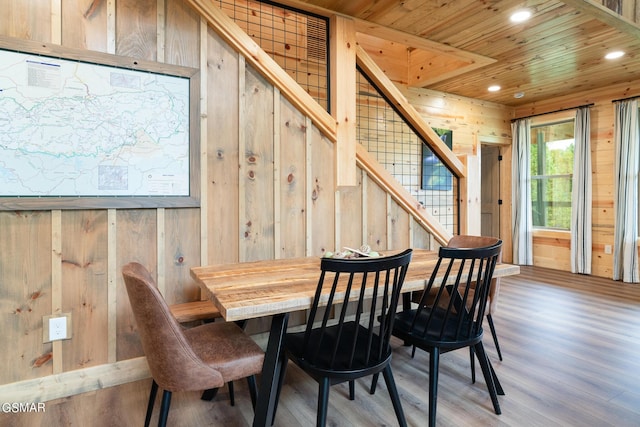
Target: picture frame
(434, 174)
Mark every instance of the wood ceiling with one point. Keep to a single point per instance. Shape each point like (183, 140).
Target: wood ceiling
(464, 46)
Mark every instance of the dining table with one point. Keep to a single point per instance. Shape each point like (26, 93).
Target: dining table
(277, 287)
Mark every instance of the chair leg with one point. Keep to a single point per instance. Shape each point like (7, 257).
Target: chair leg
(488, 376)
(164, 409)
(323, 401)
(472, 362)
(209, 394)
(395, 398)
(152, 401)
(253, 390)
(374, 383)
(434, 362)
(231, 395)
(283, 371)
(352, 390)
(496, 381)
(494, 335)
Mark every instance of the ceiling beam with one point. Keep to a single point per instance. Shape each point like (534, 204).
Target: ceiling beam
(411, 41)
(606, 15)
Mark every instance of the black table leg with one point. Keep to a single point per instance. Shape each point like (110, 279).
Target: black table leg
(271, 372)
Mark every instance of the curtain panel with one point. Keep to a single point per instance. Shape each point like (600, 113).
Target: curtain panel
(522, 221)
(627, 161)
(581, 195)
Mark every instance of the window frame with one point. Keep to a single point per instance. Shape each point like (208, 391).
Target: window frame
(550, 120)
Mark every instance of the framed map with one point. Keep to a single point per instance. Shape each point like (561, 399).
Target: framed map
(73, 128)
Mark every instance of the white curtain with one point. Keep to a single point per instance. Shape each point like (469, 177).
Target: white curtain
(627, 161)
(522, 222)
(581, 195)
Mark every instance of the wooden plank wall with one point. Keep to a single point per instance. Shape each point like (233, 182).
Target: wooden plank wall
(267, 192)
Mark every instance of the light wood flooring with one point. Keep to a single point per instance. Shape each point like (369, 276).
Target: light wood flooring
(571, 347)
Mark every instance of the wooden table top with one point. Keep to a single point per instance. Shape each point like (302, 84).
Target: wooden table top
(262, 288)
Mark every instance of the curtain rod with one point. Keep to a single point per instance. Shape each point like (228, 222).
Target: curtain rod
(626, 99)
(554, 111)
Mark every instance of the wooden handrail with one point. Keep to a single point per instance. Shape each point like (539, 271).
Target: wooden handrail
(265, 65)
(401, 195)
(409, 113)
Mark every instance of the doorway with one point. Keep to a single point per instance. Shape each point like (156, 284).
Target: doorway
(490, 190)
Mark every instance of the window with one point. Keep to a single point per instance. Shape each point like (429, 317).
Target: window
(552, 147)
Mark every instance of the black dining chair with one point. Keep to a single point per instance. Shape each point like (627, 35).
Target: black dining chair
(355, 343)
(450, 312)
(468, 241)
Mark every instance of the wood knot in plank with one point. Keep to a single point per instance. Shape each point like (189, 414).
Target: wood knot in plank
(316, 192)
(42, 360)
(76, 263)
(92, 9)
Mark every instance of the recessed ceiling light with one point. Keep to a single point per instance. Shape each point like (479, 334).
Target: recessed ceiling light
(521, 16)
(493, 88)
(518, 95)
(614, 55)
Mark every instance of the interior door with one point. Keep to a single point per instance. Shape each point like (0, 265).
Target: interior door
(490, 191)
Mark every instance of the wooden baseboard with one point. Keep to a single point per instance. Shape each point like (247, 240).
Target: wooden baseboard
(75, 382)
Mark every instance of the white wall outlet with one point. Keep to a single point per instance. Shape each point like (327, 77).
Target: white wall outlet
(56, 327)
(607, 249)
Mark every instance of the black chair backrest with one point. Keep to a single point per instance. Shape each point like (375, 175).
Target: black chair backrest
(357, 337)
(462, 278)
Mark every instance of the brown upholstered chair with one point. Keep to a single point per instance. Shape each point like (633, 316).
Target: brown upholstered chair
(200, 358)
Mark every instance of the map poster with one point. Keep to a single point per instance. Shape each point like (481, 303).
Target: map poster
(73, 129)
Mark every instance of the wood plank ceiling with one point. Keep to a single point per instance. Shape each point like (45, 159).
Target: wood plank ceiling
(464, 46)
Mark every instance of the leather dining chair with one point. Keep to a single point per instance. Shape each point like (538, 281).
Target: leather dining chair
(450, 313)
(200, 358)
(354, 344)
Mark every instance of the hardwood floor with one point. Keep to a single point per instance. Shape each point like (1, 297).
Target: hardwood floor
(571, 347)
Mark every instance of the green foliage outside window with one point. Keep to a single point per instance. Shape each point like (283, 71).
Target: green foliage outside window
(552, 148)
